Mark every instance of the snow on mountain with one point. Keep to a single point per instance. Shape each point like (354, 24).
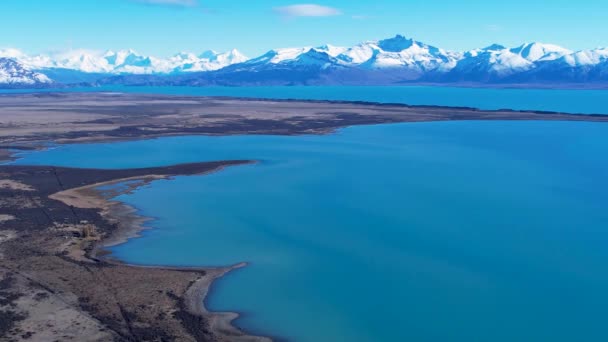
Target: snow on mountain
(278, 56)
(231, 57)
(14, 73)
(279, 67)
(33, 62)
(397, 52)
(359, 53)
(207, 61)
(393, 60)
(125, 61)
(316, 58)
(407, 53)
(534, 52)
(587, 66)
(489, 63)
(585, 57)
(497, 61)
(82, 60)
(186, 61)
(331, 50)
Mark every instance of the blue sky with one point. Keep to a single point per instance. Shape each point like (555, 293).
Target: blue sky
(163, 27)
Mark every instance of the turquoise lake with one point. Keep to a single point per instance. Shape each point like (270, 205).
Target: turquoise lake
(558, 100)
(446, 231)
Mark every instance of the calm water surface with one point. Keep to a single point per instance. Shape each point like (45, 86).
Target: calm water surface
(570, 101)
(451, 231)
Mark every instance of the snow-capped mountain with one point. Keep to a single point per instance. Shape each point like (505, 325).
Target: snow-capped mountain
(584, 58)
(497, 62)
(589, 66)
(536, 52)
(400, 60)
(395, 60)
(125, 61)
(14, 73)
(399, 52)
(487, 64)
(278, 56)
(33, 62)
(207, 61)
(276, 67)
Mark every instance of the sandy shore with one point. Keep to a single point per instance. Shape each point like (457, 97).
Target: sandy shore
(130, 224)
(54, 225)
(219, 321)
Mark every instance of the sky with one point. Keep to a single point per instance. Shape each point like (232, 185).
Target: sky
(165, 27)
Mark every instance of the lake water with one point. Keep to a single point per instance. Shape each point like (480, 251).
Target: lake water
(571, 101)
(446, 231)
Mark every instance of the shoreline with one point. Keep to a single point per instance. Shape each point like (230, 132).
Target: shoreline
(105, 117)
(71, 87)
(131, 224)
(102, 117)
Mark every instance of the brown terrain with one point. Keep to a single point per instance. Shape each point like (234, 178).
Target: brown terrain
(56, 281)
(55, 286)
(28, 120)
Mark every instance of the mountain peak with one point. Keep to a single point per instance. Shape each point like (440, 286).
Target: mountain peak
(128, 52)
(234, 53)
(396, 44)
(184, 54)
(208, 54)
(494, 47)
(540, 51)
(13, 72)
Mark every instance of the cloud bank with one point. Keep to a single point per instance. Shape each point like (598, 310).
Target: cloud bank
(307, 10)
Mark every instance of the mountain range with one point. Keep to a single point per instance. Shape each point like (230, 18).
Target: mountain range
(396, 60)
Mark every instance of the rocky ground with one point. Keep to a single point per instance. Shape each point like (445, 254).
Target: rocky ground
(53, 287)
(29, 120)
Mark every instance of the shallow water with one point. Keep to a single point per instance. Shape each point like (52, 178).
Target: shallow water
(447, 231)
(559, 100)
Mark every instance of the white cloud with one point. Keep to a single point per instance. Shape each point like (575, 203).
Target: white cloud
(179, 3)
(307, 10)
